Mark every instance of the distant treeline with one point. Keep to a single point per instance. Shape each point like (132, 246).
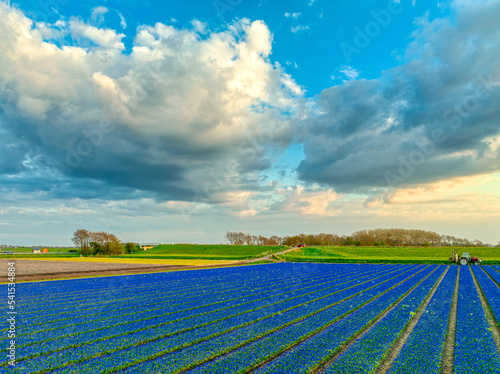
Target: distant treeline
(377, 237)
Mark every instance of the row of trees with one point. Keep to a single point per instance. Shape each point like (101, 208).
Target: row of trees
(377, 237)
(239, 238)
(101, 243)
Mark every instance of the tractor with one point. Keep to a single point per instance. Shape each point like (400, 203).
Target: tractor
(465, 259)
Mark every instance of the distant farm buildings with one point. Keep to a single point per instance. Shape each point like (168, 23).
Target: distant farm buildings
(146, 246)
(37, 250)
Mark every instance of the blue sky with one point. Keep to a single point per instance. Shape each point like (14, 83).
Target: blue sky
(177, 121)
(307, 35)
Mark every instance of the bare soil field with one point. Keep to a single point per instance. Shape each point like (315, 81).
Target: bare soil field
(28, 270)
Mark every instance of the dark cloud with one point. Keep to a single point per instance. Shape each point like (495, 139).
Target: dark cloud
(172, 117)
(434, 117)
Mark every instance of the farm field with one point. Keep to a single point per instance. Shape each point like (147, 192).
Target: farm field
(388, 254)
(28, 253)
(277, 318)
(209, 251)
(28, 250)
(136, 261)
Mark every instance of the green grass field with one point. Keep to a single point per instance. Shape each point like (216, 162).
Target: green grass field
(28, 253)
(208, 252)
(30, 249)
(387, 254)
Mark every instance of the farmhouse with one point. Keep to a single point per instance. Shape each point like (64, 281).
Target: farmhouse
(146, 246)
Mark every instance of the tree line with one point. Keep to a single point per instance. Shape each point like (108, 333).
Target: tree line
(368, 238)
(101, 243)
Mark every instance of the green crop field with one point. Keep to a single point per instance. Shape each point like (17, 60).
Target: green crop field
(387, 254)
(27, 252)
(209, 252)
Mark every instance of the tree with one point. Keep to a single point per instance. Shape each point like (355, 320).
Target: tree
(81, 238)
(113, 248)
(96, 249)
(97, 243)
(130, 247)
(231, 237)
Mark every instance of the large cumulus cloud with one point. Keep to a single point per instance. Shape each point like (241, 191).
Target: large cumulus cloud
(432, 118)
(182, 111)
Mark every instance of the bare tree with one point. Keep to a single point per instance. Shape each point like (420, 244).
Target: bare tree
(82, 238)
(97, 243)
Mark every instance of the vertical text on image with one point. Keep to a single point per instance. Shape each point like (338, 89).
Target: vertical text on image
(11, 313)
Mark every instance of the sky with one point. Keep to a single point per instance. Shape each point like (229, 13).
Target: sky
(178, 121)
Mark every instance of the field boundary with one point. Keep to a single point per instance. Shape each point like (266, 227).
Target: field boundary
(393, 352)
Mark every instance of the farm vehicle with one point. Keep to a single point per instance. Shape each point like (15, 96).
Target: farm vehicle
(465, 259)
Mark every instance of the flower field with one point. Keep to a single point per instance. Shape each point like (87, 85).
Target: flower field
(277, 318)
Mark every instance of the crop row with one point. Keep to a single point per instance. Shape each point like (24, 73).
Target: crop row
(475, 350)
(368, 351)
(247, 347)
(184, 325)
(144, 300)
(228, 332)
(121, 286)
(491, 291)
(184, 320)
(279, 318)
(202, 305)
(317, 350)
(422, 352)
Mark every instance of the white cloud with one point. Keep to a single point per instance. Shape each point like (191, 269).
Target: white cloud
(493, 143)
(105, 38)
(183, 109)
(199, 26)
(292, 15)
(123, 22)
(34, 108)
(97, 16)
(296, 29)
(349, 72)
(309, 201)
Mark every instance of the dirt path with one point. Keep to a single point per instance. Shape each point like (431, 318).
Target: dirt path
(269, 257)
(449, 345)
(394, 351)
